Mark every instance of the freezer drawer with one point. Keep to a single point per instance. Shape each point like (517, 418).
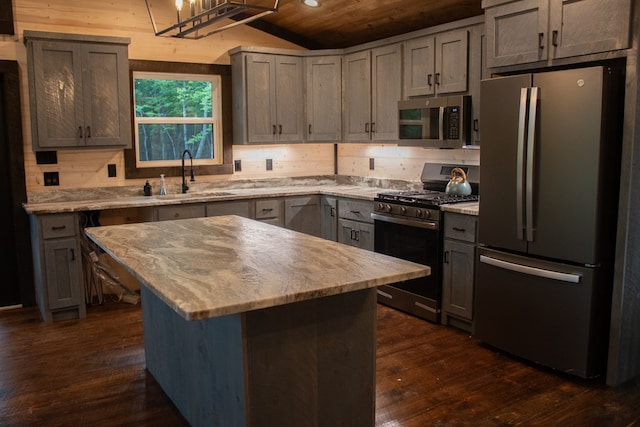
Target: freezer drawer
(553, 314)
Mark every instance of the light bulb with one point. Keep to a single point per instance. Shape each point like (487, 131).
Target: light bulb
(311, 3)
(179, 4)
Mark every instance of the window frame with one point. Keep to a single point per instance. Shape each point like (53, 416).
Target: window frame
(224, 71)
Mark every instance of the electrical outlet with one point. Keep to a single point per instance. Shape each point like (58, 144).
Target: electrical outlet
(372, 163)
(269, 164)
(237, 165)
(51, 178)
(111, 168)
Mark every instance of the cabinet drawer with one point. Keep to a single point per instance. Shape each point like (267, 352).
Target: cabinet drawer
(355, 209)
(271, 208)
(180, 212)
(460, 227)
(55, 226)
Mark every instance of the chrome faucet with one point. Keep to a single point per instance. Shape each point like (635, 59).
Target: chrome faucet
(185, 187)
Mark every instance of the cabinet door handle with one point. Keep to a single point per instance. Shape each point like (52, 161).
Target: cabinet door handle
(274, 129)
(355, 212)
(429, 80)
(88, 131)
(267, 209)
(541, 40)
(73, 254)
(446, 257)
(58, 227)
(476, 127)
(79, 131)
(438, 78)
(333, 211)
(462, 230)
(309, 129)
(366, 127)
(373, 127)
(279, 129)
(554, 38)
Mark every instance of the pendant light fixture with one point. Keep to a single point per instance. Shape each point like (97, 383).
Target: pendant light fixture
(311, 3)
(195, 19)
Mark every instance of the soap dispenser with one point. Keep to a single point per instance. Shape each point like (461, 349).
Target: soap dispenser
(163, 187)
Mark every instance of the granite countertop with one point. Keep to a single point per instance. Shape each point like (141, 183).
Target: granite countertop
(116, 198)
(467, 208)
(208, 267)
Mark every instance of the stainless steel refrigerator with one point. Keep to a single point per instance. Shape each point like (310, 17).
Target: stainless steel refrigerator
(549, 174)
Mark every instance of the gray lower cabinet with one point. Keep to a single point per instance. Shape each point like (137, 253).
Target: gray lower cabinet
(270, 211)
(355, 226)
(303, 214)
(458, 269)
(240, 208)
(181, 211)
(58, 266)
(329, 218)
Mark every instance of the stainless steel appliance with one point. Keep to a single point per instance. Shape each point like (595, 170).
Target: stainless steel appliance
(550, 169)
(408, 225)
(441, 122)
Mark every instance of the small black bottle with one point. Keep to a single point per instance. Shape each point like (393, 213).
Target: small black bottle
(147, 189)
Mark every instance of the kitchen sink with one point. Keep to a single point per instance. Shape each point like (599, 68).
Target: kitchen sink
(174, 196)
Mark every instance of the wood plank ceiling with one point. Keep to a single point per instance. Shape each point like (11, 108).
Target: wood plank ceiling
(345, 23)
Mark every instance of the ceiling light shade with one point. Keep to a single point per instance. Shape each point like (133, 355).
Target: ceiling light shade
(311, 3)
(195, 19)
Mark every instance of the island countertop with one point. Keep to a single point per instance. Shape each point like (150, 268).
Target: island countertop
(214, 266)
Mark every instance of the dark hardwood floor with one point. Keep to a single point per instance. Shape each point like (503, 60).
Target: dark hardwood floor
(92, 373)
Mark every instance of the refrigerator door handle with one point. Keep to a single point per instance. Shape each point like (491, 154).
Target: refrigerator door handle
(531, 271)
(522, 126)
(531, 143)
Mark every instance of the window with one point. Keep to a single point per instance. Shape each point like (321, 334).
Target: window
(173, 113)
(179, 107)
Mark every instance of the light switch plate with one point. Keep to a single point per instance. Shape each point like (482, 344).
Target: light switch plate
(372, 163)
(237, 165)
(269, 164)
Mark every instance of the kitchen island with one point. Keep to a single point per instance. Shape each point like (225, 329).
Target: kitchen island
(250, 324)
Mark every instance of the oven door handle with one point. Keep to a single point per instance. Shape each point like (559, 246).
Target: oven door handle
(430, 225)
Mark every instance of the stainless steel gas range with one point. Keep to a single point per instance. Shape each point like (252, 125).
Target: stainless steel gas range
(408, 225)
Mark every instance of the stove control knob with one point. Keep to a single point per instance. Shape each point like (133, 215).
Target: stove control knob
(380, 206)
(419, 213)
(403, 210)
(388, 208)
(427, 213)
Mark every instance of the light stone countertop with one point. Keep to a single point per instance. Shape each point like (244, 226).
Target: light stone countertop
(467, 208)
(208, 267)
(114, 198)
(366, 193)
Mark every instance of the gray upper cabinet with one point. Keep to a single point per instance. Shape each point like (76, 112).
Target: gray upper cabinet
(436, 64)
(372, 87)
(269, 108)
(525, 31)
(79, 91)
(323, 98)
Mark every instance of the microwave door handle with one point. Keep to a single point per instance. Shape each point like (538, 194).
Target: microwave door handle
(522, 122)
(531, 143)
(441, 124)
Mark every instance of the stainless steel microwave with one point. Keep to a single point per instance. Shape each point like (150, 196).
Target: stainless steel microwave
(442, 122)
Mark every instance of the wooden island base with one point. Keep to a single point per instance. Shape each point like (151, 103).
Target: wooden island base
(308, 363)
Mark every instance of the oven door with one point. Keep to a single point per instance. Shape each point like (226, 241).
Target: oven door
(416, 241)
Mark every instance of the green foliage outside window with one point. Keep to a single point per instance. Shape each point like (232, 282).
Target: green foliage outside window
(173, 115)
